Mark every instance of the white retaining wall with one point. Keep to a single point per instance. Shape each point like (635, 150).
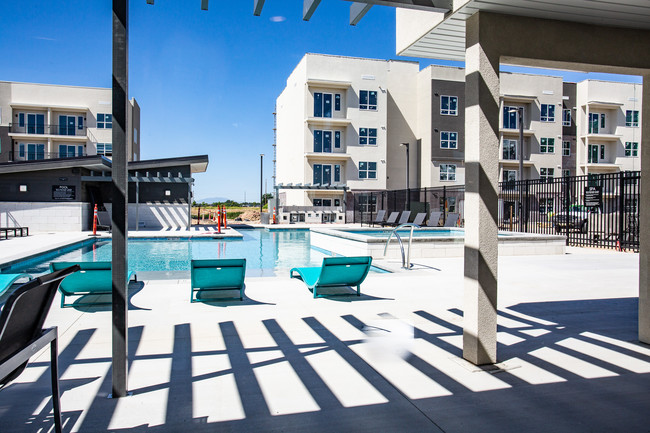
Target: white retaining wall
(45, 216)
(157, 215)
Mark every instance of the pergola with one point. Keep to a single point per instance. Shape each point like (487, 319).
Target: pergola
(583, 35)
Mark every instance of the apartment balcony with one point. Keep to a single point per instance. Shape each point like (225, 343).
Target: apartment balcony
(597, 136)
(47, 131)
(515, 132)
(37, 156)
(328, 122)
(601, 167)
(515, 163)
(327, 156)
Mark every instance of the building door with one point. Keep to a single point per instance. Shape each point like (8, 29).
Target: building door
(35, 151)
(596, 123)
(35, 123)
(592, 154)
(67, 125)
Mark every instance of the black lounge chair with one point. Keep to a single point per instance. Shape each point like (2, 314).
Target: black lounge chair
(22, 334)
(419, 218)
(379, 218)
(404, 218)
(392, 218)
(434, 219)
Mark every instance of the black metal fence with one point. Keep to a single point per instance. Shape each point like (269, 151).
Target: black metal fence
(599, 210)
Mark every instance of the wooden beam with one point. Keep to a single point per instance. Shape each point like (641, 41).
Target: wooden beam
(257, 8)
(357, 11)
(204, 5)
(442, 6)
(308, 8)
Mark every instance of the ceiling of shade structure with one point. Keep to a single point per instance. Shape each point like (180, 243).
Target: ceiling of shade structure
(442, 35)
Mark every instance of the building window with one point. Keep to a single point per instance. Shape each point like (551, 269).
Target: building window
(367, 170)
(566, 173)
(69, 151)
(337, 139)
(35, 123)
(545, 206)
(448, 140)
(510, 117)
(448, 172)
(104, 121)
(547, 145)
(546, 174)
(323, 174)
(367, 100)
(596, 122)
(631, 148)
(547, 113)
(105, 149)
(337, 102)
(566, 148)
(509, 149)
(317, 202)
(368, 136)
(135, 135)
(323, 141)
(632, 118)
(449, 105)
(32, 151)
(566, 117)
(509, 179)
(367, 203)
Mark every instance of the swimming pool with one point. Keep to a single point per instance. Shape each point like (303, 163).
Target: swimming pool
(427, 242)
(267, 252)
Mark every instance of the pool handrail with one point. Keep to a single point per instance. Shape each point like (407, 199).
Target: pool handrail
(406, 264)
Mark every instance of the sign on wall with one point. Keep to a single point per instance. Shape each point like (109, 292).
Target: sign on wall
(63, 192)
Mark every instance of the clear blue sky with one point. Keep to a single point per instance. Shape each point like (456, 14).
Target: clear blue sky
(206, 81)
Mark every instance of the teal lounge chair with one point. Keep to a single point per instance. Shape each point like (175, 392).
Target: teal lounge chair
(93, 278)
(6, 280)
(335, 272)
(217, 274)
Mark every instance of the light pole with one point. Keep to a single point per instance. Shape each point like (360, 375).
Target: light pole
(261, 182)
(408, 190)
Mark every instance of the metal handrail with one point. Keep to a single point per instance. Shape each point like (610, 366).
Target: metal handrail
(406, 263)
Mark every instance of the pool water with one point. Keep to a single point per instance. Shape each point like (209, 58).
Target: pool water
(267, 253)
(417, 233)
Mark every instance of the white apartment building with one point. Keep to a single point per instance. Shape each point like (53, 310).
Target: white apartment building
(608, 127)
(42, 121)
(340, 123)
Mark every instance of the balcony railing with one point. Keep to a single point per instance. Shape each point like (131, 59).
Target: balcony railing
(36, 156)
(71, 131)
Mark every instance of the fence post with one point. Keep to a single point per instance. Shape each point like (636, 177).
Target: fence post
(566, 209)
(444, 203)
(621, 208)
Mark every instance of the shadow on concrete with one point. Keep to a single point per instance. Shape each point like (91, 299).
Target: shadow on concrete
(98, 303)
(567, 366)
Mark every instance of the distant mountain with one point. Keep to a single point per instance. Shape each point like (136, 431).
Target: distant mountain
(210, 200)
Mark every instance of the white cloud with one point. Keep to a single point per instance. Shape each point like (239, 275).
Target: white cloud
(43, 38)
(277, 19)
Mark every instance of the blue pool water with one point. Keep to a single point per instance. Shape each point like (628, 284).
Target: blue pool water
(267, 253)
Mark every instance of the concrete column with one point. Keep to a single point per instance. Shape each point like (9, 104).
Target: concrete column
(119, 196)
(644, 251)
(481, 193)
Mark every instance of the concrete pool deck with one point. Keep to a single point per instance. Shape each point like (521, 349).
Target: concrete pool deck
(569, 358)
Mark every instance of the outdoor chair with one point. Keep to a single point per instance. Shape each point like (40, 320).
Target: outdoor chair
(7, 280)
(404, 218)
(419, 218)
(452, 219)
(104, 221)
(392, 218)
(334, 272)
(434, 219)
(93, 278)
(217, 275)
(22, 334)
(379, 218)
